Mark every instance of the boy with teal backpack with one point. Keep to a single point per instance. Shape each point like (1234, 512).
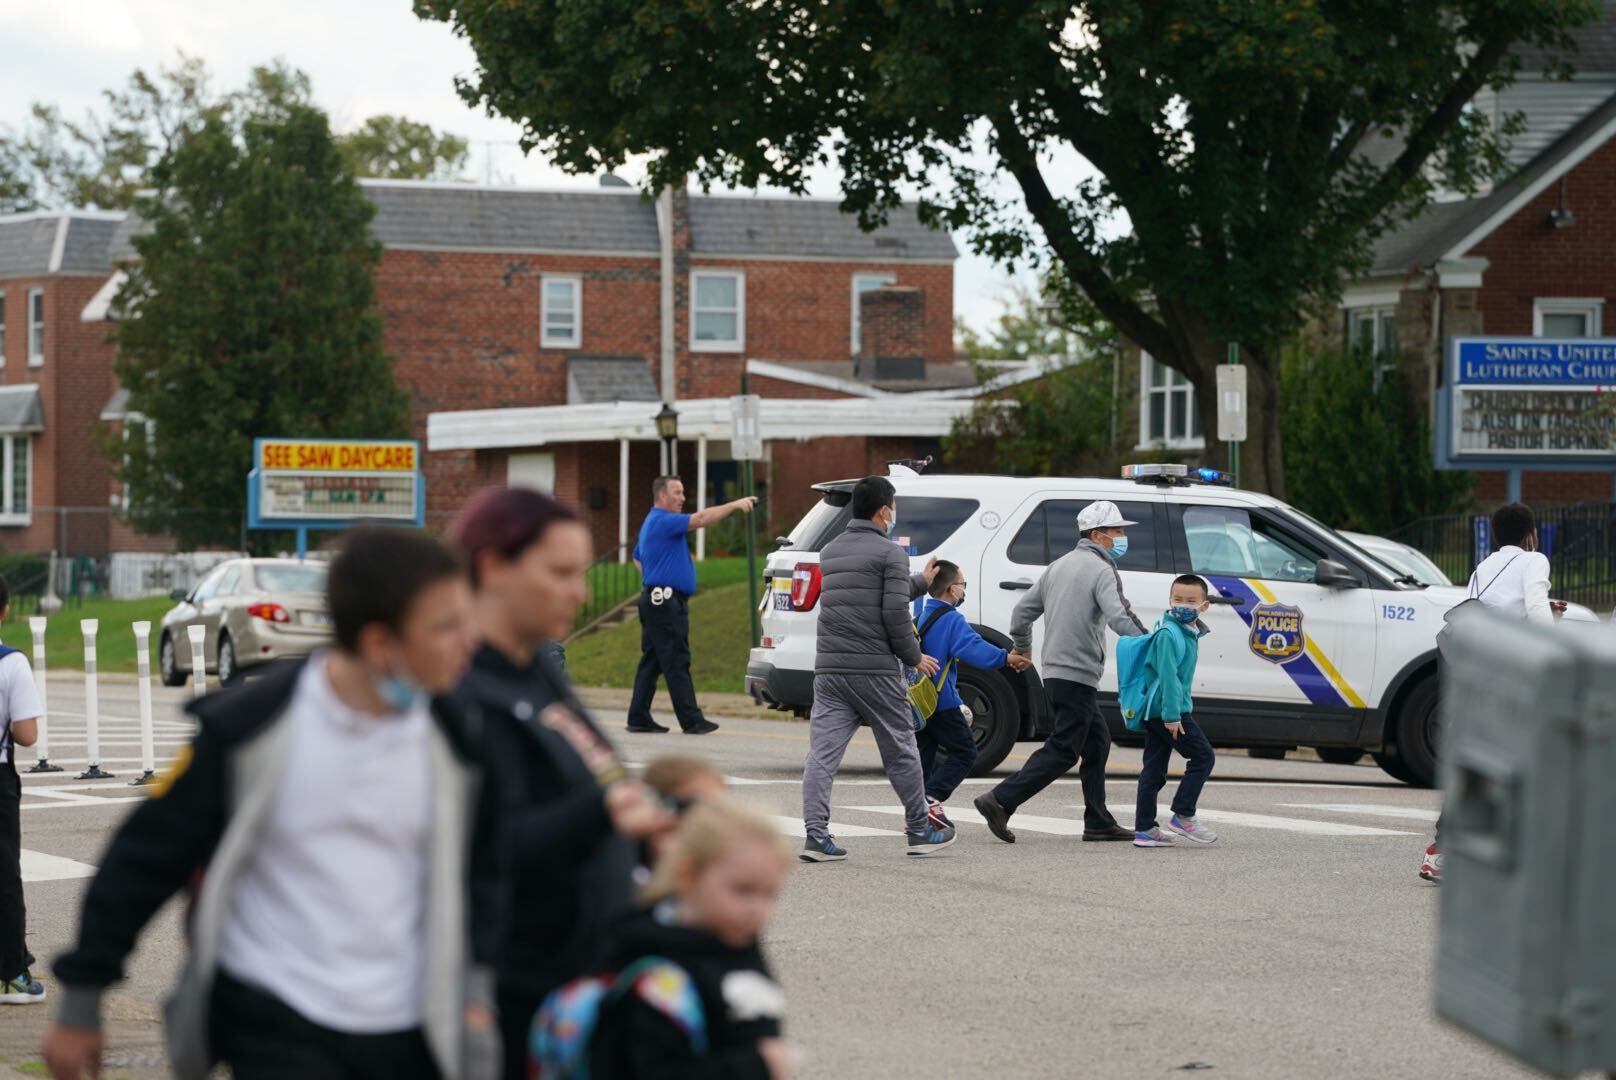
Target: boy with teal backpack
(1154, 675)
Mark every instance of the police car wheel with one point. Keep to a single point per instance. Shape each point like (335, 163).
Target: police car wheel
(1394, 766)
(1340, 755)
(1268, 753)
(995, 719)
(1417, 733)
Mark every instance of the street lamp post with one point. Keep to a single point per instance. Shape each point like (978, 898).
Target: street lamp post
(667, 429)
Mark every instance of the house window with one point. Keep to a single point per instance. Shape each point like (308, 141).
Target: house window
(36, 327)
(863, 283)
(1568, 318)
(16, 463)
(717, 311)
(561, 311)
(1167, 413)
(133, 422)
(2, 328)
(1372, 327)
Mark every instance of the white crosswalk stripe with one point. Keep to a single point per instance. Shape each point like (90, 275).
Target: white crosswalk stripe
(1029, 822)
(1408, 813)
(38, 866)
(791, 826)
(1291, 824)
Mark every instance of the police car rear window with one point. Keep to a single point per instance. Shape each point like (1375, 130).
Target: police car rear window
(828, 517)
(924, 523)
(1052, 531)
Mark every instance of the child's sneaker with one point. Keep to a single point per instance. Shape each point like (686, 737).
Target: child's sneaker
(934, 812)
(1431, 865)
(930, 839)
(1190, 829)
(822, 849)
(1154, 838)
(23, 990)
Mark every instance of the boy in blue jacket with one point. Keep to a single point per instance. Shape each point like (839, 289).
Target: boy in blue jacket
(1170, 725)
(947, 636)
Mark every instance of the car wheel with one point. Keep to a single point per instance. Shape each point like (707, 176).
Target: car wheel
(1268, 753)
(1394, 767)
(1417, 732)
(168, 666)
(1340, 755)
(995, 720)
(227, 660)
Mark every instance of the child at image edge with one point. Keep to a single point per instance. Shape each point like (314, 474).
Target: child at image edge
(19, 726)
(714, 891)
(1170, 726)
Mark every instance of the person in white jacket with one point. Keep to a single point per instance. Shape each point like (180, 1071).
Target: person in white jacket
(1512, 581)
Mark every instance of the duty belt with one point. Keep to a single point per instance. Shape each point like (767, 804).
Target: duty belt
(662, 593)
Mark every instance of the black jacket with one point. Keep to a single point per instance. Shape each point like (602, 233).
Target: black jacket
(565, 872)
(740, 1005)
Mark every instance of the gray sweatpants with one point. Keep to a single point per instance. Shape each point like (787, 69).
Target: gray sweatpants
(840, 701)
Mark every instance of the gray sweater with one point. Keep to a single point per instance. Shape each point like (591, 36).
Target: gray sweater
(1080, 593)
(864, 623)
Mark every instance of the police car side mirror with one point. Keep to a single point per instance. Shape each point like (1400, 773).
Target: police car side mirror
(1333, 575)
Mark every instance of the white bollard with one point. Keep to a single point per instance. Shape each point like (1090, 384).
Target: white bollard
(148, 748)
(199, 659)
(36, 623)
(92, 704)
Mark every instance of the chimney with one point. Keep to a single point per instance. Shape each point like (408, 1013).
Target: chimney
(892, 334)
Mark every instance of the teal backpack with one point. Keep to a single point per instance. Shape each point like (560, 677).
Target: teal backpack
(1136, 690)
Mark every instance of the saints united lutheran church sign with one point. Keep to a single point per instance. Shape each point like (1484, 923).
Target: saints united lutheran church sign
(1528, 403)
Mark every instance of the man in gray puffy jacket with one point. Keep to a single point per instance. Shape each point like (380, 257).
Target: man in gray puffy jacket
(865, 634)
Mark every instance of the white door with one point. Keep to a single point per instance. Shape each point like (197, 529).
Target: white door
(535, 471)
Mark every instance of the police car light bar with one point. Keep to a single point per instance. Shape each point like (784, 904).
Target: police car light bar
(1214, 477)
(1169, 474)
(1152, 472)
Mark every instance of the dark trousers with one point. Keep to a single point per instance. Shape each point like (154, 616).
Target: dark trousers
(665, 651)
(516, 1011)
(1193, 746)
(262, 1038)
(946, 731)
(14, 954)
(1080, 732)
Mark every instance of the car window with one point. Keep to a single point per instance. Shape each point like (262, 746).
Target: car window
(828, 517)
(210, 584)
(290, 579)
(1051, 532)
(228, 583)
(925, 522)
(1228, 540)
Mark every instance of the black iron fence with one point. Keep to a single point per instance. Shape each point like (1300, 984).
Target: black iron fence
(613, 580)
(1580, 541)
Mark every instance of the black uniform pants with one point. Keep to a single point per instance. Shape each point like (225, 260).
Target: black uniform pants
(262, 1038)
(14, 954)
(664, 651)
(1080, 732)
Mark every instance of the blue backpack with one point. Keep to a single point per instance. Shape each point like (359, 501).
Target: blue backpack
(565, 1024)
(1137, 691)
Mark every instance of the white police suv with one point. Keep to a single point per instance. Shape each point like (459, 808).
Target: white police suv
(1314, 641)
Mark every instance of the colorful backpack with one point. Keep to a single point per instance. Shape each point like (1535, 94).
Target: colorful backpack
(558, 1043)
(1136, 690)
(924, 692)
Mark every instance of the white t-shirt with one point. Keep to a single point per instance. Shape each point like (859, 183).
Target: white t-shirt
(19, 699)
(329, 912)
(1515, 582)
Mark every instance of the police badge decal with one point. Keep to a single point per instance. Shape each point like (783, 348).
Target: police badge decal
(1276, 632)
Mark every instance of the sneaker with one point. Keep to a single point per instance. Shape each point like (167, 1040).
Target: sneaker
(648, 727)
(997, 817)
(1190, 829)
(1154, 838)
(1431, 865)
(822, 849)
(930, 839)
(23, 990)
(702, 727)
(934, 813)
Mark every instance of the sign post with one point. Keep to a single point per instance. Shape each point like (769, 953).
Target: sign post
(1231, 388)
(304, 484)
(746, 446)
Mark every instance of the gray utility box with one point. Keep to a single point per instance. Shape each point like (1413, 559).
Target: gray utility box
(1527, 944)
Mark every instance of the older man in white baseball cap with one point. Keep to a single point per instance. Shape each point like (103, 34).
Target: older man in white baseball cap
(1081, 593)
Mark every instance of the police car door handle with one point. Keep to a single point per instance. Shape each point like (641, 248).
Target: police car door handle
(1015, 584)
(1232, 601)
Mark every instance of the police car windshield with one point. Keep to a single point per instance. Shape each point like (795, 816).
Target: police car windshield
(1399, 577)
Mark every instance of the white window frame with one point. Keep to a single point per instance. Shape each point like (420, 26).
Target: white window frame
(9, 516)
(1592, 308)
(736, 344)
(1146, 389)
(36, 357)
(130, 422)
(2, 328)
(885, 277)
(1377, 336)
(576, 339)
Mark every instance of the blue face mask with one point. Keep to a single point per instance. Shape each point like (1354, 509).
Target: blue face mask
(1119, 547)
(1184, 614)
(892, 523)
(400, 694)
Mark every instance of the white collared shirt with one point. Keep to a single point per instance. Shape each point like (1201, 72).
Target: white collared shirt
(1514, 582)
(329, 914)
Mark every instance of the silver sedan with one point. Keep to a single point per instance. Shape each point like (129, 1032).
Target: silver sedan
(252, 611)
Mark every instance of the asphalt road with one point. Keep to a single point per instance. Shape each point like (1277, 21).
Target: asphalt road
(1300, 945)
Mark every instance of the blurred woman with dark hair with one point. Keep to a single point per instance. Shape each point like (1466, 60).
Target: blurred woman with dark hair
(568, 817)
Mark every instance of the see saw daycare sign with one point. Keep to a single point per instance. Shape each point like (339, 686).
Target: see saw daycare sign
(331, 483)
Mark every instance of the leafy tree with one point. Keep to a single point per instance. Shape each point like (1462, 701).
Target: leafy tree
(397, 148)
(1358, 443)
(1229, 134)
(250, 310)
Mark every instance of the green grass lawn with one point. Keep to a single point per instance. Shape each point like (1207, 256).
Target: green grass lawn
(114, 640)
(720, 638)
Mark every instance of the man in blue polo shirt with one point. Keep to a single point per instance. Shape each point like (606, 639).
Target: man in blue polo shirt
(668, 578)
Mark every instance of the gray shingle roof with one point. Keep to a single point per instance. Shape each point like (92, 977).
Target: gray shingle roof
(27, 242)
(595, 379)
(755, 225)
(20, 409)
(507, 219)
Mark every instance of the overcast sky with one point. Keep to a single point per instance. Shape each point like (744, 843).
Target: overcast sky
(364, 56)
